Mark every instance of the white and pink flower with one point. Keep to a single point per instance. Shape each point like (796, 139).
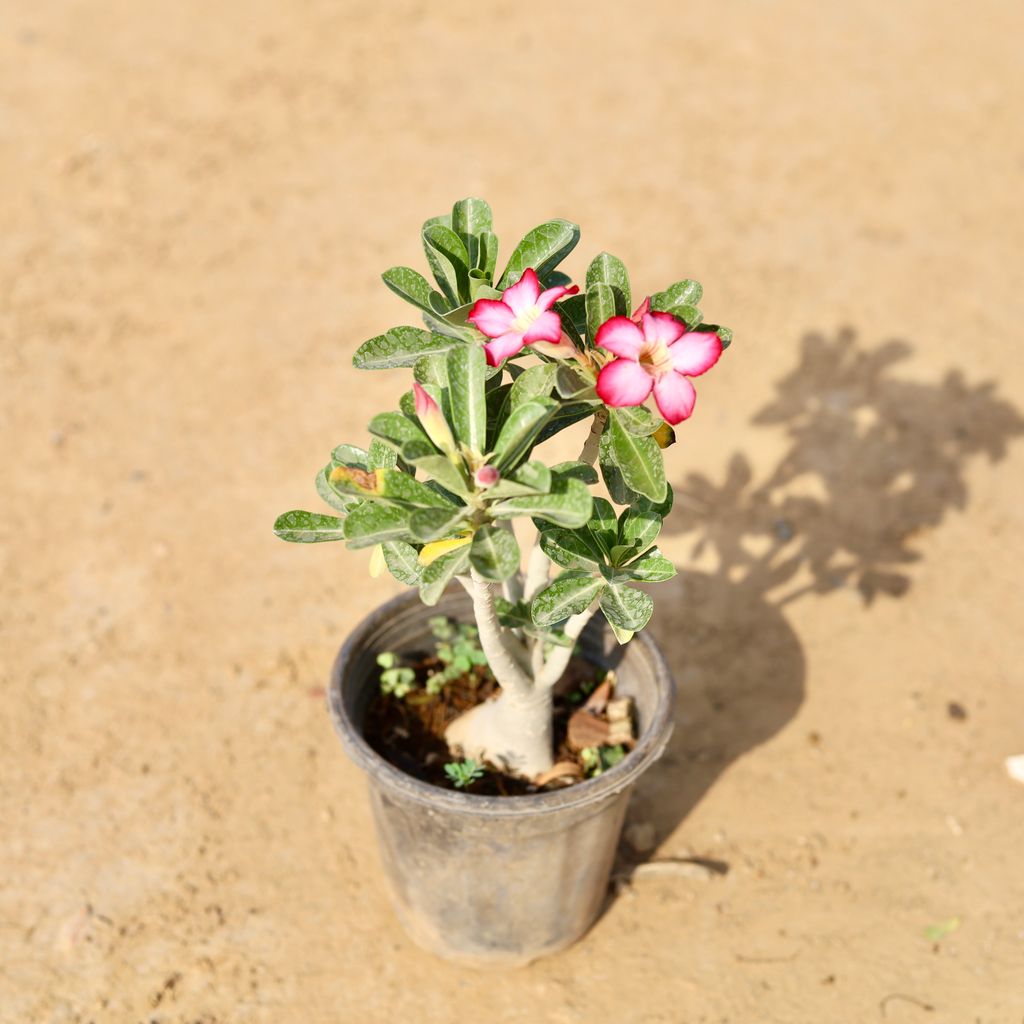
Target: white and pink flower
(657, 354)
(522, 316)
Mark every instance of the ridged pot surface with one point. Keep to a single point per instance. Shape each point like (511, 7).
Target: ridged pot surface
(495, 880)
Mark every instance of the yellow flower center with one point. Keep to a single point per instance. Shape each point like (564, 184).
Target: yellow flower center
(526, 320)
(655, 358)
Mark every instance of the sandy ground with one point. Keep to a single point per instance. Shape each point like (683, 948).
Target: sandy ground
(195, 203)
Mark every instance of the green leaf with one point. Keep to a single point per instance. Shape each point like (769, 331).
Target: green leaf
(410, 285)
(449, 261)
(600, 307)
(494, 553)
(638, 419)
(565, 416)
(301, 527)
(441, 572)
(639, 460)
(395, 485)
(622, 636)
(470, 218)
(568, 549)
(437, 467)
(520, 430)
(339, 502)
(573, 311)
(529, 478)
(535, 382)
(627, 608)
(431, 370)
(651, 567)
(373, 523)
(610, 270)
(603, 525)
(640, 525)
(676, 296)
(401, 346)
(402, 561)
(613, 480)
(568, 504)
(467, 366)
(351, 455)
(572, 384)
(543, 248)
(398, 430)
(569, 594)
(427, 524)
(487, 254)
(580, 470)
(381, 455)
(724, 333)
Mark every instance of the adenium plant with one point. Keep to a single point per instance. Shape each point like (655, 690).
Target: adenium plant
(504, 363)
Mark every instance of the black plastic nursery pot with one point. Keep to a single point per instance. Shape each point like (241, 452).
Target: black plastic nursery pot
(496, 881)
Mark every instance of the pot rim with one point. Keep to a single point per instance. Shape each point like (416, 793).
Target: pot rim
(648, 749)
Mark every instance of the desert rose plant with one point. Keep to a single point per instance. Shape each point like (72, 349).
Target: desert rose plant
(506, 362)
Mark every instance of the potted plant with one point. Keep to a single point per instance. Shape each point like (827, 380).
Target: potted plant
(502, 725)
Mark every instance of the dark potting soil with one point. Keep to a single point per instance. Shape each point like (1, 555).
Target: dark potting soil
(409, 731)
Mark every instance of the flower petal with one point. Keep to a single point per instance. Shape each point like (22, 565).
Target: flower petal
(491, 317)
(550, 296)
(561, 349)
(547, 327)
(621, 336)
(523, 294)
(644, 307)
(695, 352)
(623, 382)
(675, 396)
(662, 327)
(503, 347)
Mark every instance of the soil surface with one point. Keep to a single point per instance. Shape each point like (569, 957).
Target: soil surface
(196, 203)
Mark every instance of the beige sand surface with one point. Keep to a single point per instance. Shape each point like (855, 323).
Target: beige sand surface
(196, 201)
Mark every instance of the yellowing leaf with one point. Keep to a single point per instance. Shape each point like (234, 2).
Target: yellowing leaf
(435, 549)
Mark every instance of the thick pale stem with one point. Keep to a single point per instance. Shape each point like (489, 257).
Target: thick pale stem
(537, 571)
(592, 444)
(559, 657)
(506, 654)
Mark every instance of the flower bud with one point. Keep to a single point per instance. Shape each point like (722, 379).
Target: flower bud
(432, 420)
(486, 476)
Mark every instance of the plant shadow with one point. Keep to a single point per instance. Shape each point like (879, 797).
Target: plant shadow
(874, 459)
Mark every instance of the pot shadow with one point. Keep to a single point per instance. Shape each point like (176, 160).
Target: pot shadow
(873, 461)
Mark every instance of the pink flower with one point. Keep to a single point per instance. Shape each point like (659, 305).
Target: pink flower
(657, 354)
(522, 316)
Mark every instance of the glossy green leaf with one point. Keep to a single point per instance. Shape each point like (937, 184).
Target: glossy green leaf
(350, 455)
(470, 218)
(568, 504)
(600, 307)
(613, 480)
(410, 285)
(397, 430)
(682, 293)
(494, 553)
(437, 467)
(543, 248)
(565, 416)
(603, 525)
(651, 567)
(441, 572)
(569, 549)
(638, 419)
(381, 455)
(467, 367)
(580, 470)
(449, 261)
(626, 607)
(573, 311)
(640, 525)
(639, 460)
(573, 384)
(569, 594)
(373, 523)
(401, 346)
(427, 524)
(402, 561)
(301, 527)
(724, 333)
(535, 382)
(610, 270)
(487, 254)
(520, 430)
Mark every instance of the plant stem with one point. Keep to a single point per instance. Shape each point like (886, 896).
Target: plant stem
(498, 644)
(559, 657)
(592, 444)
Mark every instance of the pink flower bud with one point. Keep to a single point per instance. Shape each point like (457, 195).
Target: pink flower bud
(486, 476)
(432, 420)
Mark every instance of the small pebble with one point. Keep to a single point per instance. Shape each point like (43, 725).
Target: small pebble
(641, 836)
(956, 711)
